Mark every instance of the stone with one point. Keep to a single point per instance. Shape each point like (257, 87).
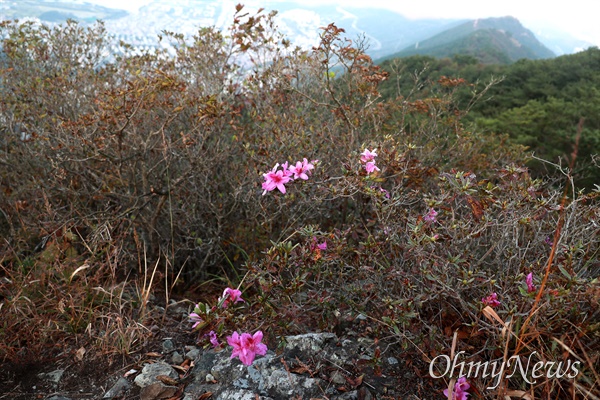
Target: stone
(310, 344)
(392, 360)
(151, 371)
(192, 354)
(338, 378)
(53, 376)
(118, 389)
(158, 391)
(176, 358)
(168, 346)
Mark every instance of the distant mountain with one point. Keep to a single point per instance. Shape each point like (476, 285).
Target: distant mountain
(557, 40)
(491, 40)
(386, 32)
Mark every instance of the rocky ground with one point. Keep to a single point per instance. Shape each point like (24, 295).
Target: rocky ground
(173, 366)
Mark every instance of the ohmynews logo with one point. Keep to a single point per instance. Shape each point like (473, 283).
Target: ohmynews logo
(530, 371)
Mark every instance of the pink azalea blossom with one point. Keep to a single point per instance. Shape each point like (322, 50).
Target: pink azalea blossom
(213, 339)
(430, 217)
(491, 300)
(196, 319)
(529, 282)
(367, 156)
(286, 170)
(231, 296)
(301, 169)
(246, 346)
(320, 246)
(371, 167)
(460, 389)
(276, 179)
(387, 194)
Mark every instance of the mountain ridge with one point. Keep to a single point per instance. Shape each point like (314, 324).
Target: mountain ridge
(491, 40)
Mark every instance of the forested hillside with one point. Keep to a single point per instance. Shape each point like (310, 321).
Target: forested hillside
(538, 103)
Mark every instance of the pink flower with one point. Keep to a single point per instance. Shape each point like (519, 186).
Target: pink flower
(371, 167)
(286, 169)
(460, 389)
(491, 300)
(387, 194)
(301, 169)
(320, 246)
(246, 346)
(194, 317)
(529, 282)
(430, 217)
(276, 179)
(231, 296)
(213, 339)
(367, 156)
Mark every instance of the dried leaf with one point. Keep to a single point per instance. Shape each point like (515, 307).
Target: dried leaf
(130, 372)
(181, 369)
(167, 380)
(153, 354)
(355, 382)
(492, 315)
(205, 396)
(79, 354)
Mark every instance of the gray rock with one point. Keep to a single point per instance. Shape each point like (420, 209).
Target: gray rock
(192, 354)
(338, 378)
(57, 397)
(168, 346)
(176, 358)
(310, 344)
(118, 389)
(53, 376)
(353, 395)
(239, 394)
(392, 360)
(151, 371)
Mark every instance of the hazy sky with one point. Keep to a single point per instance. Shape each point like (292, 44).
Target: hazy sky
(577, 17)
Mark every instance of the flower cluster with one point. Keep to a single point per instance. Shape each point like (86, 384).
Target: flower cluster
(230, 296)
(368, 159)
(278, 178)
(196, 319)
(430, 217)
(491, 300)
(315, 245)
(213, 339)
(246, 346)
(460, 389)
